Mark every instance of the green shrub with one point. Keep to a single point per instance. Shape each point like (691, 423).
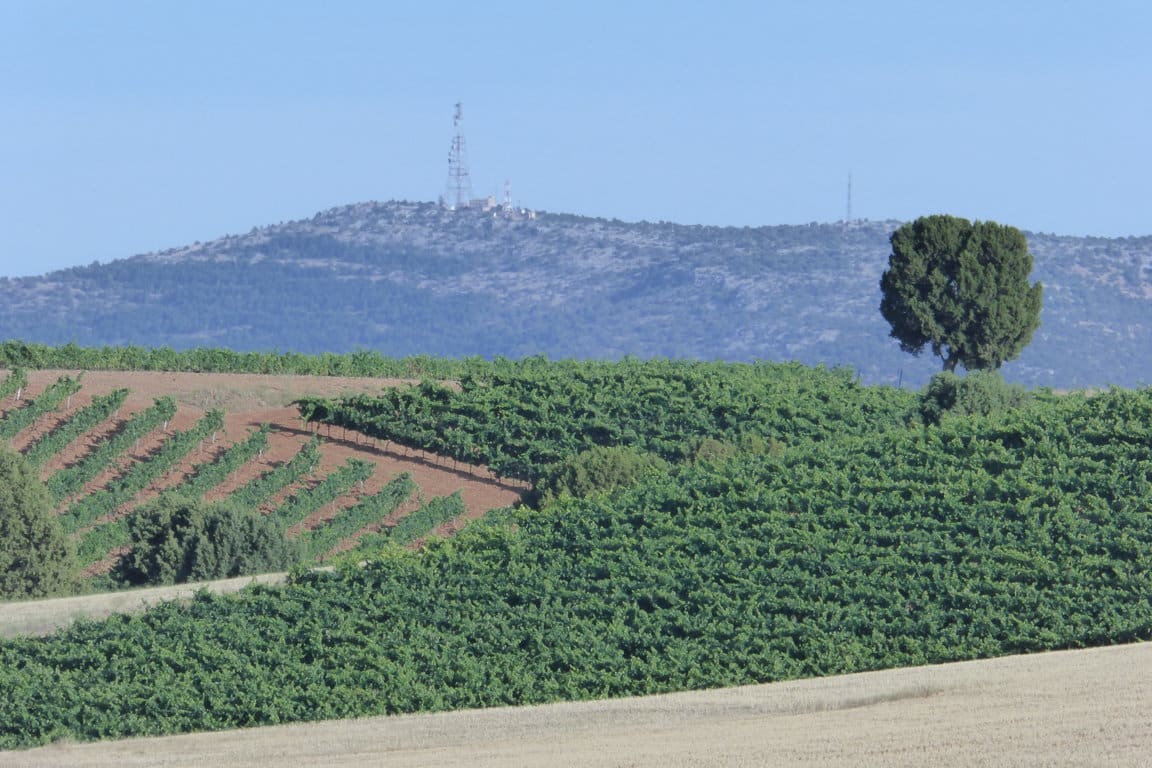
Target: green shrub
(179, 538)
(601, 468)
(36, 556)
(711, 449)
(980, 393)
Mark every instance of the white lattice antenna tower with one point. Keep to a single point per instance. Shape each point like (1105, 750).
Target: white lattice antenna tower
(507, 196)
(459, 192)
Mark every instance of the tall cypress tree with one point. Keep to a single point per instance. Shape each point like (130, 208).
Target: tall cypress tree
(36, 557)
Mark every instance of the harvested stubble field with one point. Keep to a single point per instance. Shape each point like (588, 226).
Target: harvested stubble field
(1083, 708)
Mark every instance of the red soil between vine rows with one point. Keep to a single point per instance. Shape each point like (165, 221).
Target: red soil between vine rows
(250, 400)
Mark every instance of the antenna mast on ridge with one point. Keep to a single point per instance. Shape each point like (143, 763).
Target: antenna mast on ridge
(848, 209)
(459, 181)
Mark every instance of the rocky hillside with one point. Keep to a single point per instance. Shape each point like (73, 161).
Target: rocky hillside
(409, 278)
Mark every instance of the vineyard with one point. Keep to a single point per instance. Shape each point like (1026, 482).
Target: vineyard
(797, 524)
(520, 420)
(107, 443)
(22, 355)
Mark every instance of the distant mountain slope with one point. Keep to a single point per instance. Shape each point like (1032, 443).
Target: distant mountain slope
(409, 278)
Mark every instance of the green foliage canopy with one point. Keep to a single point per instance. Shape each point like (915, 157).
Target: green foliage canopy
(522, 418)
(35, 556)
(980, 393)
(180, 538)
(600, 468)
(963, 288)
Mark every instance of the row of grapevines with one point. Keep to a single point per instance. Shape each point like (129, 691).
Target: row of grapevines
(522, 420)
(99, 541)
(95, 545)
(259, 489)
(336, 484)
(428, 517)
(372, 509)
(205, 477)
(132, 358)
(108, 499)
(101, 407)
(15, 381)
(69, 481)
(49, 399)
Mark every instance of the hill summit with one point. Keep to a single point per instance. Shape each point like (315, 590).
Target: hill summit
(408, 278)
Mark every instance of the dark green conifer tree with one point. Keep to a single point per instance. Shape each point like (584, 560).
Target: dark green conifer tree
(963, 288)
(36, 558)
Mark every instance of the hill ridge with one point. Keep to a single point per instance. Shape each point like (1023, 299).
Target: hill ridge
(407, 278)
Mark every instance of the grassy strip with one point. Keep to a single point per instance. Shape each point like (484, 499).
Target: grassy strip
(47, 402)
(322, 539)
(49, 445)
(71, 480)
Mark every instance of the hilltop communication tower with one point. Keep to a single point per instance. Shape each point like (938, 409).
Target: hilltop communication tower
(459, 191)
(848, 207)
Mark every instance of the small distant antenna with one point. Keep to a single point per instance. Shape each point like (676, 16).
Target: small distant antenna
(459, 180)
(848, 208)
(507, 196)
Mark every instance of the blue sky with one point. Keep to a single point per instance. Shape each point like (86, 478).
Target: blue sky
(136, 126)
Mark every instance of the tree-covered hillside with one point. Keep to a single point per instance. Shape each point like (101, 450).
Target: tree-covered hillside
(409, 278)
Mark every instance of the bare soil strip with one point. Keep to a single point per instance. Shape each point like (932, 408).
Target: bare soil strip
(1069, 708)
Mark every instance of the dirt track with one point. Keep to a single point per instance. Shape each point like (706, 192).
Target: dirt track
(42, 617)
(1090, 708)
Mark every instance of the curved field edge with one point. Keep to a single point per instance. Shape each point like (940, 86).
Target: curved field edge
(1080, 707)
